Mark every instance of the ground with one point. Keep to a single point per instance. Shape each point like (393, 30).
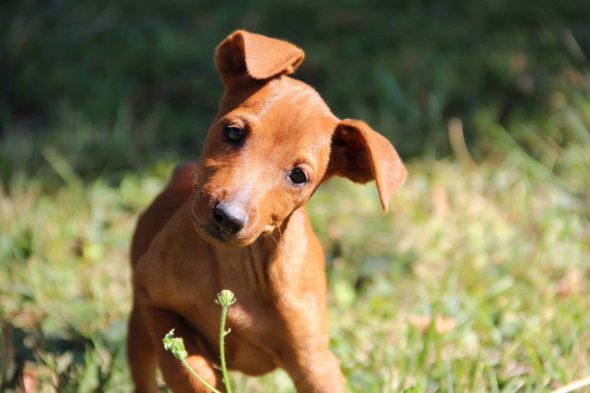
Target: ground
(476, 280)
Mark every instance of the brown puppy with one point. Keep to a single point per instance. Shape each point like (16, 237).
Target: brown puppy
(236, 221)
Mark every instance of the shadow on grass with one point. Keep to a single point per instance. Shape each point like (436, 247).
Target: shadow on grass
(71, 362)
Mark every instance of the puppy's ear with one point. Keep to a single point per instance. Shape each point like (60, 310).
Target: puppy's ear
(362, 154)
(244, 55)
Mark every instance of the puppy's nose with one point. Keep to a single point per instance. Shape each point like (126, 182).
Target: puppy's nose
(229, 217)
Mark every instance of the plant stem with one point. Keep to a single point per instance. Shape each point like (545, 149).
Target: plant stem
(222, 334)
(194, 373)
(176, 346)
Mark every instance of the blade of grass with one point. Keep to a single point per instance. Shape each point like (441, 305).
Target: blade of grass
(580, 383)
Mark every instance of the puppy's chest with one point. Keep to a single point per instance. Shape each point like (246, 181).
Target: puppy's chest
(255, 329)
(252, 319)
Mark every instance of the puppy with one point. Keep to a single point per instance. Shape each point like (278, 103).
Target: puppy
(236, 221)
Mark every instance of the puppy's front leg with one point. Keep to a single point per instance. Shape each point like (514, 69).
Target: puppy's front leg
(315, 370)
(177, 378)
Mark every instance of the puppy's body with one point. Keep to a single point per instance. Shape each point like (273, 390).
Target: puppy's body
(236, 221)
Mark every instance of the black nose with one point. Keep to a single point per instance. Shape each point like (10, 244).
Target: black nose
(230, 218)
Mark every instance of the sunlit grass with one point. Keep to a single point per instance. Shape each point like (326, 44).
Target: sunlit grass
(476, 280)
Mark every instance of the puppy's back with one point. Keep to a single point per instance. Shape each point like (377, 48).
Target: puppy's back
(162, 208)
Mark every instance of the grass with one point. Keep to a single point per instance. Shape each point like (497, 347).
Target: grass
(477, 280)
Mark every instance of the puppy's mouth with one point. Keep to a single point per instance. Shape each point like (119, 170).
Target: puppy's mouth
(215, 233)
(217, 236)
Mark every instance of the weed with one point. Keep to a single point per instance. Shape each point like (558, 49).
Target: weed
(176, 345)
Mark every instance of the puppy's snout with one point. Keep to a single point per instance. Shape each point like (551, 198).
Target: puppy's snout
(230, 218)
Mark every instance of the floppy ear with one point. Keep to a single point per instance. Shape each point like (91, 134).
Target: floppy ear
(362, 154)
(244, 55)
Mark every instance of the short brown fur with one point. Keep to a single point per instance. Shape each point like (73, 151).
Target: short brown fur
(236, 221)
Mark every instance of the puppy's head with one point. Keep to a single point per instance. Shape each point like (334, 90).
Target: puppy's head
(273, 142)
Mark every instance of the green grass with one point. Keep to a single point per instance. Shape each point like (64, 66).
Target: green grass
(476, 280)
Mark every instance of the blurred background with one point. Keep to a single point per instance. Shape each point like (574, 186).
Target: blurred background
(476, 281)
(111, 84)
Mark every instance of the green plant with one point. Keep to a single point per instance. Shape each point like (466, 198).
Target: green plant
(225, 299)
(176, 344)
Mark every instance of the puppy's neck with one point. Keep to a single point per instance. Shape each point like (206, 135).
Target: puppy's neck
(256, 265)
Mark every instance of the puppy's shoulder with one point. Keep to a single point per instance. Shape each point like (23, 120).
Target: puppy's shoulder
(172, 258)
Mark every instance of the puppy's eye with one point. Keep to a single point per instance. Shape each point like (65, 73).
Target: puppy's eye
(234, 134)
(298, 176)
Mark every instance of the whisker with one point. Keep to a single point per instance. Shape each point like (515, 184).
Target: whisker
(273, 238)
